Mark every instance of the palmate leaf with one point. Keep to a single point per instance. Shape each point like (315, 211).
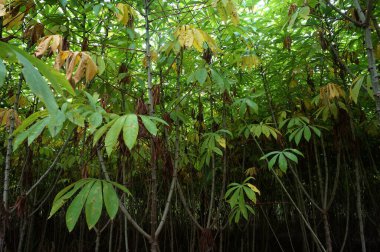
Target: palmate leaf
(281, 158)
(91, 194)
(128, 126)
(57, 80)
(236, 196)
(37, 84)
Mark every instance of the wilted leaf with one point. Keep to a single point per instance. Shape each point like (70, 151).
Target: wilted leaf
(54, 42)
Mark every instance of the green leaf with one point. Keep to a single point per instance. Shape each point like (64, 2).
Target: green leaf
(37, 84)
(250, 194)
(55, 78)
(30, 120)
(3, 72)
(218, 80)
(76, 206)
(291, 156)
(298, 136)
(113, 134)
(218, 151)
(100, 132)
(316, 131)
(130, 130)
(20, 138)
(201, 75)
(94, 121)
(157, 119)
(229, 191)
(252, 105)
(307, 133)
(111, 201)
(94, 204)
(296, 152)
(355, 88)
(292, 20)
(282, 163)
(37, 129)
(121, 187)
(61, 198)
(304, 12)
(56, 122)
(149, 125)
(272, 161)
(234, 198)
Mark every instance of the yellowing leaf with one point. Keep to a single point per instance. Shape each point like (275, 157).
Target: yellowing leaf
(6, 116)
(188, 36)
(126, 14)
(377, 51)
(254, 188)
(198, 40)
(227, 9)
(355, 88)
(153, 58)
(221, 141)
(330, 92)
(251, 172)
(249, 61)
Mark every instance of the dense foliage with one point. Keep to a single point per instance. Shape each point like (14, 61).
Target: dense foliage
(213, 125)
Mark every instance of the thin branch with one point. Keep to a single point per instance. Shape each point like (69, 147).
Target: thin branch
(369, 12)
(167, 206)
(183, 200)
(122, 207)
(51, 166)
(343, 14)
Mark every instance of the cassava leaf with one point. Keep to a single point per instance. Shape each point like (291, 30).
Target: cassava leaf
(130, 130)
(94, 204)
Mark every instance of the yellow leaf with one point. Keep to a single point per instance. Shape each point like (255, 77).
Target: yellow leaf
(222, 12)
(221, 141)
(126, 14)
(198, 40)
(251, 172)
(153, 58)
(232, 12)
(254, 188)
(210, 41)
(378, 51)
(189, 38)
(13, 21)
(61, 58)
